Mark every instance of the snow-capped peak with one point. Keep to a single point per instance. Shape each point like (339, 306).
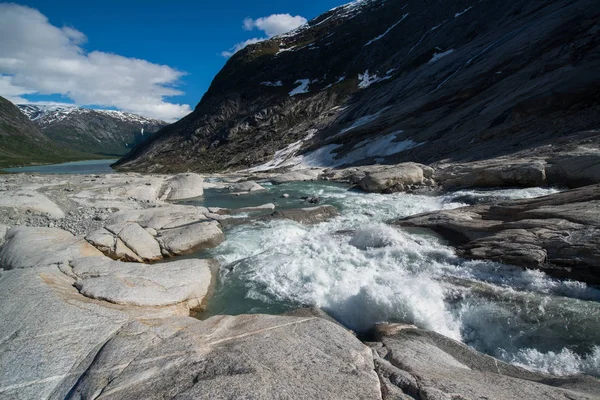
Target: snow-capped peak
(46, 114)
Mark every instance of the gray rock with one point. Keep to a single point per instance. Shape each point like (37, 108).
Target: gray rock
(393, 179)
(24, 200)
(559, 233)
(264, 207)
(3, 230)
(248, 186)
(248, 356)
(492, 173)
(296, 176)
(33, 247)
(185, 281)
(141, 242)
(171, 215)
(574, 169)
(103, 240)
(43, 314)
(124, 253)
(427, 365)
(183, 186)
(313, 215)
(190, 238)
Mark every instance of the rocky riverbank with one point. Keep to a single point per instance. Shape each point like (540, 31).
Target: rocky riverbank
(92, 279)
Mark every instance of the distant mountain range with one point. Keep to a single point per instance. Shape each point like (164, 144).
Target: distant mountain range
(23, 143)
(103, 132)
(42, 134)
(390, 81)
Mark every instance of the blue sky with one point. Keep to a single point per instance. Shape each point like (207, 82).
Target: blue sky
(73, 57)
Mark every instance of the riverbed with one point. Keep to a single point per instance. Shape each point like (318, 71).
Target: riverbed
(362, 271)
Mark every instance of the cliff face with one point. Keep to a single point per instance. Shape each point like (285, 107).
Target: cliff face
(393, 81)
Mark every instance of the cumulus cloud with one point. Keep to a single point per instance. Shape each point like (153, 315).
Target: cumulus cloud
(272, 25)
(275, 24)
(37, 57)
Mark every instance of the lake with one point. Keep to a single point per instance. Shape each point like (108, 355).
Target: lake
(76, 167)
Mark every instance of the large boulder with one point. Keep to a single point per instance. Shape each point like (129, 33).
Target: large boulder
(395, 178)
(190, 238)
(24, 200)
(138, 240)
(183, 186)
(303, 175)
(492, 173)
(574, 169)
(559, 233)
(176, 282)
(412, 363)
(32, 247)
(167, 216)
(245, 187)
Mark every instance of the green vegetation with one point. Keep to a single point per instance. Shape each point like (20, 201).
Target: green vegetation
(18, 151)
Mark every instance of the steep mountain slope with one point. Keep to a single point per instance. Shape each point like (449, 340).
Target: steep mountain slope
(94, 131)
(21, 142)
(397, 80)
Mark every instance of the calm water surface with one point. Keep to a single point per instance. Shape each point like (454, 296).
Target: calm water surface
(76, 167)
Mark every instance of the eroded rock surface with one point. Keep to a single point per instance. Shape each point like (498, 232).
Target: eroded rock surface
(412, 363)
(559, 233)
(183, 186)
(175, 282)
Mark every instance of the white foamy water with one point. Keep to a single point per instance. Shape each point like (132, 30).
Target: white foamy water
(363, 271)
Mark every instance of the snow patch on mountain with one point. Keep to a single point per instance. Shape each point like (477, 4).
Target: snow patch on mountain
(366, 79)
(284, 157)
(44, 115)
(462, 12)
(438, 56)
(386, 32)
(301, 88)
(272, 84)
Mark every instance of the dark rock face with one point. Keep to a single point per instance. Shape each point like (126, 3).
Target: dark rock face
(460, 80)
(559, 233)
(21, 142)
(93, 131)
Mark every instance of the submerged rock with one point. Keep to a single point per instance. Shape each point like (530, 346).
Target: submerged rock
(422, 364)
(559, 233)
(313, 215)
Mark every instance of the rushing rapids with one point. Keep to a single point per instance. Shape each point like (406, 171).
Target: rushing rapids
(363, 271)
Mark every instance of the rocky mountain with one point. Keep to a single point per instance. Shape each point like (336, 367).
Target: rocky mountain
(389, 81)
(21, 142)
(94, 131)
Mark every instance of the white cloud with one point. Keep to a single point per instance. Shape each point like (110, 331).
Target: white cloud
(275, 24)
(272, 25)
(241, 45)
(37, 57)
